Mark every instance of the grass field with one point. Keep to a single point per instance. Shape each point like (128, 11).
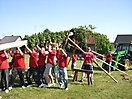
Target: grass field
(103, 88)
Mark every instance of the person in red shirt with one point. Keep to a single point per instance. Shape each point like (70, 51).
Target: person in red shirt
(89, 58)
(74, 61)
(18, 67)
(54, 68)
(4, 71)
(41, 63)
(33, 67)
(109, 60)
(50, 63)
(62, 70)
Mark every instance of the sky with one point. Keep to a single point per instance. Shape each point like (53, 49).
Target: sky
(25, 17)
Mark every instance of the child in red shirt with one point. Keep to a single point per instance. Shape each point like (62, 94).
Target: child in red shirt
(109, 60)
(62, 70)
(89, 58)
(18, 68)
(4, 70)
(74, 61)
(50, 63)
(33, 67)
(41, 63)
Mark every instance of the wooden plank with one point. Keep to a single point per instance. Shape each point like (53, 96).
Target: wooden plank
(88, 72)
(12, 45)
(83, 70)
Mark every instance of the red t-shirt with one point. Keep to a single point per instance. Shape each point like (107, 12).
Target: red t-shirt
(33, 62)
(42, 58)
(88, 58)
(109, 57)
(51, 56)
(62, 61)
(19, 61)
(58, 53)
(3, 61)
(74, 57)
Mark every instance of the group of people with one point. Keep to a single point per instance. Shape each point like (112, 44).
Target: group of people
(39, 69)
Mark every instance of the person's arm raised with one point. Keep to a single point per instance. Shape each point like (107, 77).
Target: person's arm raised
(21, 53)
(6, 55)
(28, 49)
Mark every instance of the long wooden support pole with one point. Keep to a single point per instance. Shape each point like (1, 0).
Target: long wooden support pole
(98, 58)
(112, 60)
(98, 65)
(111, 66)
(12, 45)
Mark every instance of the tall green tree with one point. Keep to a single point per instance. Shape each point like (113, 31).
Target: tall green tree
(103, 45)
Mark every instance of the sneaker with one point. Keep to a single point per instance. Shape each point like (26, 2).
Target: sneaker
(6, 91)
(23, 87)
(10, 88)
(0, 97)
(46, 86)
(61, 85)
(40, 86)
(52, 84)
(80, 80)
(66, 89)
(29, 85)
(0, 89)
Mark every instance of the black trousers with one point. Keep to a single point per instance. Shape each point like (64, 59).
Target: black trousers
(41, 74)
(16, 72)
(4, 74)
(34, 72)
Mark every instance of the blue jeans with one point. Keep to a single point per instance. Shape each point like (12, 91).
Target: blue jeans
(62, 76)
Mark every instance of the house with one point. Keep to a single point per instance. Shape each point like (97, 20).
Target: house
(123, 38)
(91, 42)
(8, 39)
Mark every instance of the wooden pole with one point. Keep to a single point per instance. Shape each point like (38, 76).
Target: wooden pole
(98, 58)
(12, 45)
(98, 64)
(107, 73)
(112, 60)
(111, 66)
(69, 34)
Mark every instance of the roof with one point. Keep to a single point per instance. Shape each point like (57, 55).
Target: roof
(123, 38)
(8, 39)
(90, 40)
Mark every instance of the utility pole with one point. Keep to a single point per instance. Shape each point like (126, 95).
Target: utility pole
(35, 28)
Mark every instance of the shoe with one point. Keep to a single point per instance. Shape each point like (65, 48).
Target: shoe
(0, 89)
(10, 88)
(52, 84)
(23, 87)
(6, 91)
(61, 86)
(0, 97)
(29, 85)
(46, 86)
(66, 89)
(80, 80)
(40, 86)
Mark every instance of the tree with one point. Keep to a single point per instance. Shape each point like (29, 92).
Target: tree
(103, 45)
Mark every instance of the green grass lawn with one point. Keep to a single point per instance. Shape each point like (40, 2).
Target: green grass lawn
(103, 88)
